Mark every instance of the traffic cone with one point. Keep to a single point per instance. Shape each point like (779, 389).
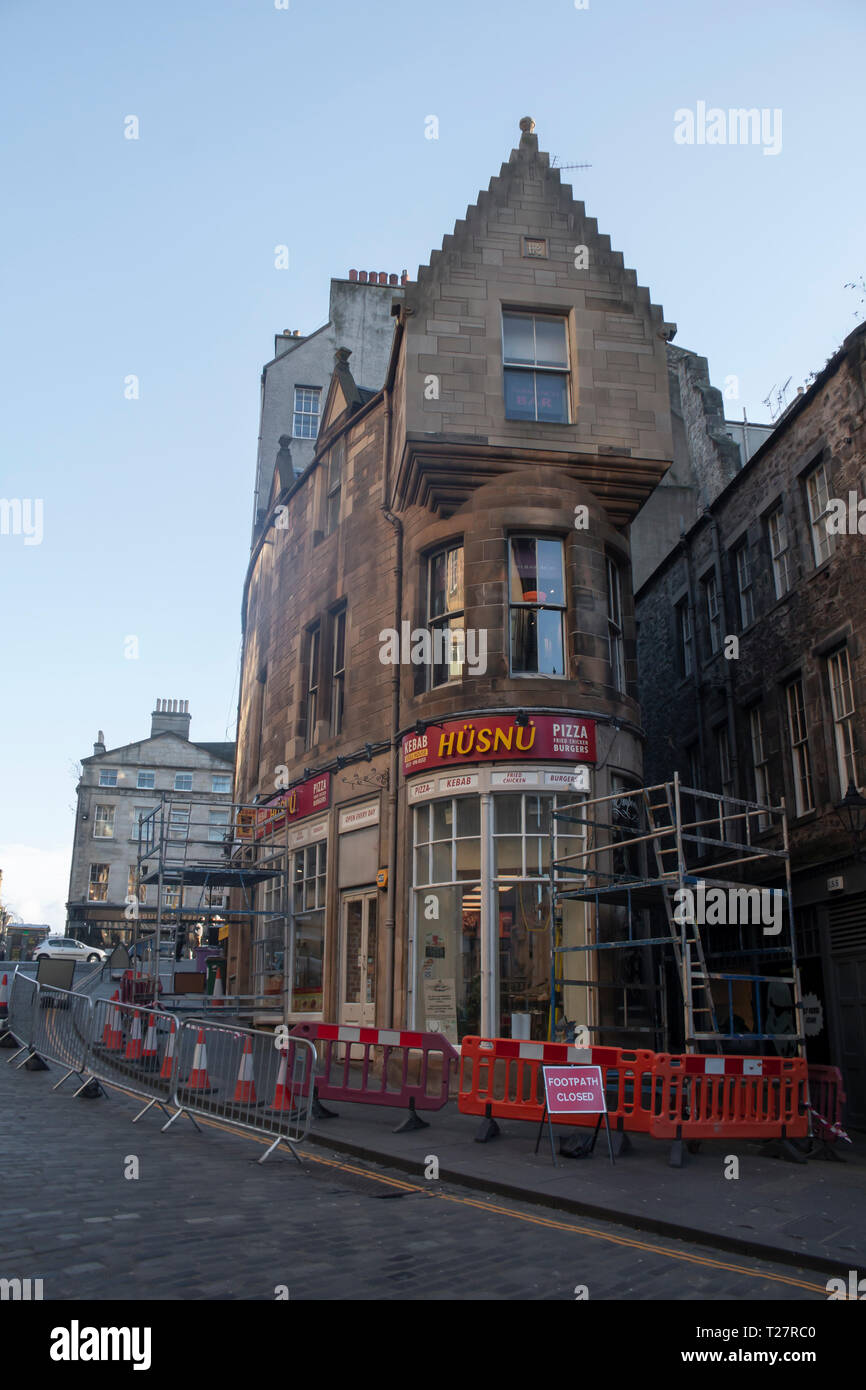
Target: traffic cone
(4, 997)
(283, 1095)
(168, 1056)
(218, 992)
(150, 1051)
(245, 1089)
(133, 1046)
(198, 1079)
(112, 1033)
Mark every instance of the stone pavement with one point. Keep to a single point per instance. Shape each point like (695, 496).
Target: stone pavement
(203, 1221)
(775, 1208)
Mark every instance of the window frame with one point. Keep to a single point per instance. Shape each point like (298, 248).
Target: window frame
(311, 696)
(442, 620)
(533, 367)
(843, 720)
(334, 470)
(777, 529)
(760, 762)
(217, 777)
(300, 414)
(615, 628)
(821, 539)
(182, 776)
(338, 669)
(107, 772)
(145, 786)
(101, 881)
(544, 606)
(798, 745)
(686, 638)
(711, 586)
(745, 575)
(109, 820)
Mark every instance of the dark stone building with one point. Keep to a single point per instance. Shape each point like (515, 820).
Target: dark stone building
(439, 627)
(752, 664)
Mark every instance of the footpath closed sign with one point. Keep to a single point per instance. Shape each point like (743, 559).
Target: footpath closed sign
(574, 1090)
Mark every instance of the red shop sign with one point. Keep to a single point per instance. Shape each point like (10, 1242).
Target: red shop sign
(546, 738)
(293, 804)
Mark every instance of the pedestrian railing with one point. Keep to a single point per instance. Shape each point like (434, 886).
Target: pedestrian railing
(23, 1002)
(255, 1080)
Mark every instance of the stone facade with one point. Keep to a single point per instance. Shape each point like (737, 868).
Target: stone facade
(117, 786)
(696, 721)
(433, 471)
(359, 317)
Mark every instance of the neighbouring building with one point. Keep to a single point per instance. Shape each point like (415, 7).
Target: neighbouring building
(439, 635)
(708, 452)
(752, 675)
(295, 381)
(165, 773)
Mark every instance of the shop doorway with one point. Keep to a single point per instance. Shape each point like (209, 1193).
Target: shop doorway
(358, 944)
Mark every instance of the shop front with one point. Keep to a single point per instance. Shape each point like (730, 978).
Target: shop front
(291, 834)
(480, 911)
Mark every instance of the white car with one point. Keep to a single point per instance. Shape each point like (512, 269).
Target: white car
(67, 948)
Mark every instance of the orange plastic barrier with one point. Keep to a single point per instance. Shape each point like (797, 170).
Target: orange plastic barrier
(502, 1078)
(701, 1097)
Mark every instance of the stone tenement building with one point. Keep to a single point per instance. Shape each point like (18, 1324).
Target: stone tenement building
(295, 381)
(120, 785)
(467, 514)
(786, 716)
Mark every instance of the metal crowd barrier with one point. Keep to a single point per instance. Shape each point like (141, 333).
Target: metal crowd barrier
(133, 1047)
(503, 1078)
(62, 1030)
(250, 1080)
(408, 1070)
(245, 1076)
(23, 1003)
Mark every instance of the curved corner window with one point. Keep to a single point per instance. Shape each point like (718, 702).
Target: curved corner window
(536, 594)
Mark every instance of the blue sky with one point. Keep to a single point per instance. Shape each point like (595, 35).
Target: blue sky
(306, 127)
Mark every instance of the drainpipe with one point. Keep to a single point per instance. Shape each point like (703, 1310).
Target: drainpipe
(729, 674)
(393, 766)
(696, 668)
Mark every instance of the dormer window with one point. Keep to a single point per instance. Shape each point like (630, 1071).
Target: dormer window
(535, 367)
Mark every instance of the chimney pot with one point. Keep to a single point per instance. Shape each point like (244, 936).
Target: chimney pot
(404, 277)
(353, 275)
(383, 277)
(392, 279)
(362, 276)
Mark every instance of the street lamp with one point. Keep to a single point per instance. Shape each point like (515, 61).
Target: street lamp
(851, 812)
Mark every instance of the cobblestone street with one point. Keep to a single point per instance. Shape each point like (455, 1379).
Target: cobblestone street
(204, 1221)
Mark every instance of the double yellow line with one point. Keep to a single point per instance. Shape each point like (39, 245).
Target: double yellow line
(548, 1222)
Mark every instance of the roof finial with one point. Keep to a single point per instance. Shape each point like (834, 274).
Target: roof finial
(527, 125)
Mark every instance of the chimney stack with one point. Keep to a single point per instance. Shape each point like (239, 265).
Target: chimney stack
(171, 717)
(99, 745)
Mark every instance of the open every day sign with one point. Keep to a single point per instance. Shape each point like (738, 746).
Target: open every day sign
(574, 1089)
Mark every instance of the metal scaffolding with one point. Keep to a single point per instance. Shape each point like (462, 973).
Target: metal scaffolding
(659, 853)
(228, 851)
